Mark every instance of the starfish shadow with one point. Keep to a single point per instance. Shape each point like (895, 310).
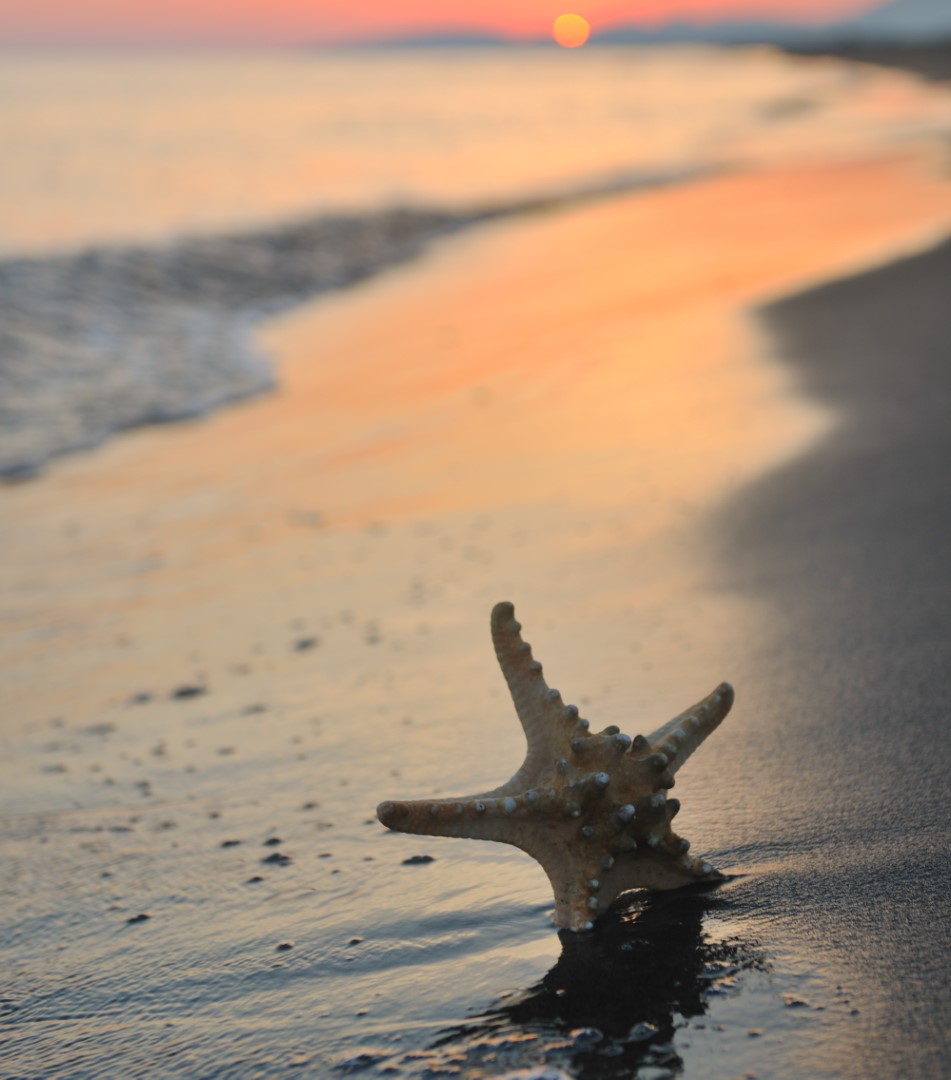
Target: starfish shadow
(614, 999)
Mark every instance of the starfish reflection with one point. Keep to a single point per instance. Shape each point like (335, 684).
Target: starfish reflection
(613, 1001)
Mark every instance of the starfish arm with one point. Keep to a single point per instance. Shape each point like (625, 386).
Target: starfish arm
(476, 817)
(678, 738)
(544, 716)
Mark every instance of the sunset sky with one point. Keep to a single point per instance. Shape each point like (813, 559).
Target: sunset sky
(289, 21)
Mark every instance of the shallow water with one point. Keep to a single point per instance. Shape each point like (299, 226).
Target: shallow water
(135, 146)
(348, 956)
(195, 194)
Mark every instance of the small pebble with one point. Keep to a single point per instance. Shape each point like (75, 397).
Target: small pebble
(278, 858)
(273, 841)
(143, 917)
(305, 643)
(418, 860)
(285, 946)
(99, 729)
(188, 691)
(586, 1038)
(642, 1032)
(230, 843)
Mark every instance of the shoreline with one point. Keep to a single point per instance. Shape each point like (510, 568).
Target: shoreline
(228, 642)
(107, 339)
(695, 434)
(133, 334)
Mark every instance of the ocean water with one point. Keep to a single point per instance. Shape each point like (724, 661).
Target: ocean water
(110, 148)
(154, 207)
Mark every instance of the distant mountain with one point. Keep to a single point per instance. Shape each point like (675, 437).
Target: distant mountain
(904, 20)
(714, 33)
(901, 21)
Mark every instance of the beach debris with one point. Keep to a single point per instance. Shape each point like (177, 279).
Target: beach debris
(791, 1001)
(591, 808)
(277, 859)
(99, 729)
(189, 690)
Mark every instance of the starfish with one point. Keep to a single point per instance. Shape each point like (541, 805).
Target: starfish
(592, 809)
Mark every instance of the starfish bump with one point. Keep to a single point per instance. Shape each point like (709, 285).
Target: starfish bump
(591, 808)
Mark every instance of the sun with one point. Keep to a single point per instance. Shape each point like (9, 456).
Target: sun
(571, 31)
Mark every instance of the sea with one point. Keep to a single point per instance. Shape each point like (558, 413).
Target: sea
(155, 206)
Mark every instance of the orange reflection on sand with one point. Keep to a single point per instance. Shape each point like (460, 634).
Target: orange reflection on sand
(585, 380)
(591, 358)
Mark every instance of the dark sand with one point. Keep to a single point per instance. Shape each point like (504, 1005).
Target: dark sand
(850, 548)
(930, 60)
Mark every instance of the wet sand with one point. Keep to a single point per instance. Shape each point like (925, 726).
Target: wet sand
(929, 60)
(228, 641)
(848, 548)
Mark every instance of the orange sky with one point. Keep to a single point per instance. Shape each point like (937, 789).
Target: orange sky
(236, 21)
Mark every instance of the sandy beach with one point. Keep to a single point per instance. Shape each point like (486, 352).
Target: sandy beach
(693, 435)
(850, 544)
